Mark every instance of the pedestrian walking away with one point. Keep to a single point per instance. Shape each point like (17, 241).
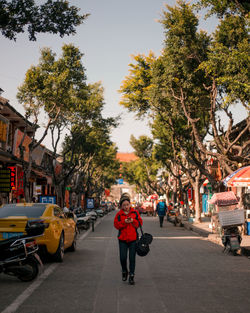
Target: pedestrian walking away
(161, 211)
(127, 221)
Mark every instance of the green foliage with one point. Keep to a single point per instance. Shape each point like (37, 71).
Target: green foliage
(229, 59)
(58, 87)
(142, 172)
(143, 146)
(51, 17)
(225, 7)
(135, 87)
(54, 85)
(88, 148)
(194, 78)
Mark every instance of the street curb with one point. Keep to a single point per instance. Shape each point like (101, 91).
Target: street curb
(202, 232)
(212, 237)
(245, 251)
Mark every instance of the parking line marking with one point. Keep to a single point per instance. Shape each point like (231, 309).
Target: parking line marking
(28, 292)
(183, 237)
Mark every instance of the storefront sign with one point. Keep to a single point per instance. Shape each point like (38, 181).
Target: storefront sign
(90, 203)
(47, 199)
(17, 141)
(3, 131)
(12, 177)
(37, 153)
(5, 180)
(107, 192)
(19, 183)
(38, 189)
(190, 194)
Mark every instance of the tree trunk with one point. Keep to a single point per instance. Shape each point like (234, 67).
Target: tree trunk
(187, 205)
(174, 195)
(26, 184)
(197, 199)
(59, 195)
(167, 197)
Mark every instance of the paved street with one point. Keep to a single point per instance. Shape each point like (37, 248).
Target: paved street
(183, 273)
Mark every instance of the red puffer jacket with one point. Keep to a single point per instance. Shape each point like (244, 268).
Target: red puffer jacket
(127, 232)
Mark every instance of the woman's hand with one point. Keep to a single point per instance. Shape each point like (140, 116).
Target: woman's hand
(129, 220)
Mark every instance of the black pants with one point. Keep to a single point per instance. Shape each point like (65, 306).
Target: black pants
(161, 219)
(124, 247)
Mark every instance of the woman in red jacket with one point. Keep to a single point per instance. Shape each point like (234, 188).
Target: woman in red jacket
(127, 221)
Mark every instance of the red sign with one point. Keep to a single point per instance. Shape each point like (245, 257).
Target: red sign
(19, 182)
(12, 177)
(17, 141)
(107, 192)
(190, 193)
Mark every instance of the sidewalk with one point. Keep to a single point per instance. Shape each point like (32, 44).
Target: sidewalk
(203, 230)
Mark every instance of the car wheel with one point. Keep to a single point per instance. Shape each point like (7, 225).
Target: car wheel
(72, 248)
(58, 256)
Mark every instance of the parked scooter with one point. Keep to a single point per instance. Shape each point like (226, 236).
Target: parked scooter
(231, 239)
(18, 255)
(178, 218)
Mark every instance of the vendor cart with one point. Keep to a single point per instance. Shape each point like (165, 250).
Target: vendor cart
(228, 220)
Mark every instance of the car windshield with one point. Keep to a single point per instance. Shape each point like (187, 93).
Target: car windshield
(34, 210)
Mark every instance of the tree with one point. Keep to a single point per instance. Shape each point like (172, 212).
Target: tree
(56, 87)
(183, 90)
(175, 79)
(227, 67)
(51, 17)
(89, 162)
(143, 172)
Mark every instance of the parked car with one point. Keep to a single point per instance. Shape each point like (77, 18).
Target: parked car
(92, 214)
(60, 228)
(83, 221)
(99, 212)
(104, 208)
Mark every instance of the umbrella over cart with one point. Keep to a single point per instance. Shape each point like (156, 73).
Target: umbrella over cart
(226, 198)
(239, 178)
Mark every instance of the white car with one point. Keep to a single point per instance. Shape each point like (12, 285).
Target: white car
(93, 215)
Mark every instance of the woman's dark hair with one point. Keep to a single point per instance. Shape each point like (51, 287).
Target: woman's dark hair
(124, 198)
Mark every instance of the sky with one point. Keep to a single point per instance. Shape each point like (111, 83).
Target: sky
(115, 30)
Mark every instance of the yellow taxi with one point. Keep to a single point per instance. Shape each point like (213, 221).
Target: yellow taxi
(60, 228)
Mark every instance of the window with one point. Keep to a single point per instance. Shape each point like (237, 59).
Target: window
(35, 210)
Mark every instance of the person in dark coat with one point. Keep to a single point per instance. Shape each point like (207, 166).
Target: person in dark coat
(127, 221)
